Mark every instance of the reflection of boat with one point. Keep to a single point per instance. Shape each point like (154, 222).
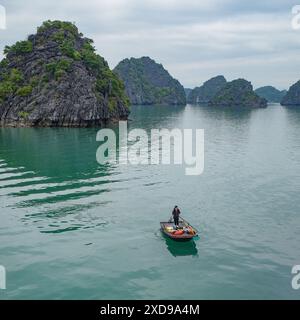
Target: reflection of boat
(184, 232)
(181, 248)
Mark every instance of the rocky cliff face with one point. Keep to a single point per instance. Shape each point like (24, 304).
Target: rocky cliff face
(238, 93)
(147, 82)
(55, 78)
(292, 98)
(207, 91)
(270, 93)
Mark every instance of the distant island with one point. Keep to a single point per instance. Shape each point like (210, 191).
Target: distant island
(270, 93)
(218, 92)
(238, 93)
(147, 82)
(187, 92)
(207, 91)
(292, 97)
(55, 78)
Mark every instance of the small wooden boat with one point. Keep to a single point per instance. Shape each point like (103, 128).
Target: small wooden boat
(185, 231)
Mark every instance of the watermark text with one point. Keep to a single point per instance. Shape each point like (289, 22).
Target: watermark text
(296, 17)
(296, 278)
(161, 146)
(2, 18)
(2, 278)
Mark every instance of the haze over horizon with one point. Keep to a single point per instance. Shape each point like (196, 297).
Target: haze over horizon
(193, 40)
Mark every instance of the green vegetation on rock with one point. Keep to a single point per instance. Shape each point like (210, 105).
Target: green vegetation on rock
(11, 81)
(19, 48)
(59, 56)
(147, 82)
(24, 91)
(207, 91)
(23, 114)
(58, 68)
(60, 25)
(238, 93)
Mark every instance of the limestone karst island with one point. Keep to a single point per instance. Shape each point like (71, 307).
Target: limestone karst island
(56, 78)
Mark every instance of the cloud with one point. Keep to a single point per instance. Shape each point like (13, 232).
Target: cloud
(193, 39)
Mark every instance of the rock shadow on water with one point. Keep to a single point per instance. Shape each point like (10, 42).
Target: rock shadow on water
(293, 113)
(181, 249)
(63, 153)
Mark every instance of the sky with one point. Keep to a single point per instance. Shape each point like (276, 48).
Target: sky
(194, 40)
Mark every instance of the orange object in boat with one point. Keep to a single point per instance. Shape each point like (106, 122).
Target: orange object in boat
(191, 230)
(179, 232)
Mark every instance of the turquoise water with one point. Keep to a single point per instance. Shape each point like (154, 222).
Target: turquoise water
(72, 229)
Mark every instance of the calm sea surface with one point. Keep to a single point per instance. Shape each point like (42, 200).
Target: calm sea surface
(73, 229)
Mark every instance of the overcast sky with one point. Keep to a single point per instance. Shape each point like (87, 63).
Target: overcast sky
(194, 40)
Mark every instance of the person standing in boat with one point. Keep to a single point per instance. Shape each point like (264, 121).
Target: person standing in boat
(176, 212)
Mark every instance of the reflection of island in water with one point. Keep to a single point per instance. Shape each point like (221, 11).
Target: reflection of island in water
(51, 152)
(52, 174)
(293, 114)
(177, 248)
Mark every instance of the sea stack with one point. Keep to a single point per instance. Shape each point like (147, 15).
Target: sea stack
(55, 78)
(147, 82)
(204, 94)
(292, 98)
(238, 93)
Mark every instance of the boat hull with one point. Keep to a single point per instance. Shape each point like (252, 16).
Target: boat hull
(179, 237)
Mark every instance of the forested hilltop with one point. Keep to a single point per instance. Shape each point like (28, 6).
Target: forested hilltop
(147, 82)
(55, 78)
(238, 93)
(207, 91)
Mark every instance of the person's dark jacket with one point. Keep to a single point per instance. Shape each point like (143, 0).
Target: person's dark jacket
(176, 212)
